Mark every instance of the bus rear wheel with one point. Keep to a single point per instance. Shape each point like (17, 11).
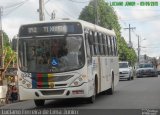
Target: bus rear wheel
(39, 103)
(110, 91)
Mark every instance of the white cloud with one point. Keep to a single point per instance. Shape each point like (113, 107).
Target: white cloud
(141, 13)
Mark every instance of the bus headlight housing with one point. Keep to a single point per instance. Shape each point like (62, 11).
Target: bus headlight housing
(25, 83)
(79, 81)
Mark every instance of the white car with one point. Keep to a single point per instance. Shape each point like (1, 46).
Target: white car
(125, 71)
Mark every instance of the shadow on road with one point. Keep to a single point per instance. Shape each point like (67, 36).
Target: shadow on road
(71, 103)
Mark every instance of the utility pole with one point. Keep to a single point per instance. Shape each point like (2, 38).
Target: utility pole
(41, 10)
(130, 28)
(1, 49)
(96, 12)
(1, 40)
(138, 50)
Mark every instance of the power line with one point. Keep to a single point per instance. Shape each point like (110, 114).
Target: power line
(67, 13)
(14, 5)
(22, 3)
(47, 12)
(46, 1)
(79, 1)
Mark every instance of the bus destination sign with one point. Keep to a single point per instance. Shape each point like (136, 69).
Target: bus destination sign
(48, 29)
(45, 29)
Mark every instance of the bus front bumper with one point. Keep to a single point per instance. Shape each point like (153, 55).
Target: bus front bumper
(59, 93)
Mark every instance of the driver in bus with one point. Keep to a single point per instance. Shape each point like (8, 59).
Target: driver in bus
(55, 48)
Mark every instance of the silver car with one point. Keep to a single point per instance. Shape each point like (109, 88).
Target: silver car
(125, 71)
(146, 70)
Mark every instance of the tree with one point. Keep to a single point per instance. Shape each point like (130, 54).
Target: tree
(108, 19)
(5, 40)
(8, 54)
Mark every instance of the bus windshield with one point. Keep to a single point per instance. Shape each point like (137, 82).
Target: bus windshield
(51, 54)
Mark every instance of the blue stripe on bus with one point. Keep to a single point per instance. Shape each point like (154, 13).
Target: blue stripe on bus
(34, 80)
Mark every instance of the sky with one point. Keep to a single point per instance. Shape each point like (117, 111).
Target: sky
(145, 19)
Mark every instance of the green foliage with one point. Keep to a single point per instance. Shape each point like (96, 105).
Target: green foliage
(5, 39)
(108, 19)
(8, 52)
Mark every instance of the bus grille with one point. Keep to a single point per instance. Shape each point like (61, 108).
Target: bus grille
(44, 80)
(53, 92)
(61, 78)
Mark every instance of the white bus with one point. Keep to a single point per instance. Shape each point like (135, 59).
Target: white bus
(66, 59)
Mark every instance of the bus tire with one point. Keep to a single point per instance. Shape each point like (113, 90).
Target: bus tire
(132, 77)
(129, 78)
(111, 90)
(93, 97)
(39, 103)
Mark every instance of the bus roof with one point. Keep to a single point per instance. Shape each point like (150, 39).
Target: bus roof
(84, 24)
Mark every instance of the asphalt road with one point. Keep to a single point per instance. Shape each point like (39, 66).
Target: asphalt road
(135, 94)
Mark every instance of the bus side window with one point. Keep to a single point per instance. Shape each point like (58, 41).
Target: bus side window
(104, 44)
(90, 41)
(108, 44)
(115, 41)
(96, 44)
(87, 45)
(115, 46)
(100, 44)
(111, 51)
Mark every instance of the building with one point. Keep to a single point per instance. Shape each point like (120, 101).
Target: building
(144, 59)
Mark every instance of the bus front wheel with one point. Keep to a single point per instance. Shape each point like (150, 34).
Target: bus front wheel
(39, 103)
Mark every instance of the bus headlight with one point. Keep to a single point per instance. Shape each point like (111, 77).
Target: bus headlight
(79, 81)
(25, 83)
